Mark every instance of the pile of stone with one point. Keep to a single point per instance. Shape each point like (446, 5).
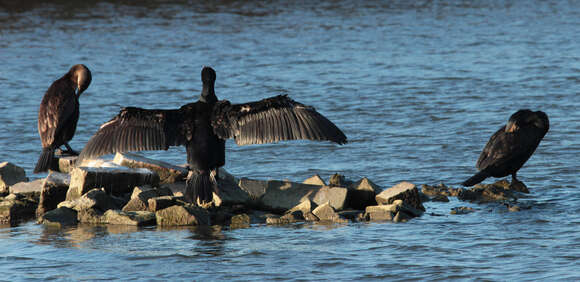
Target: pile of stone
(133, 190)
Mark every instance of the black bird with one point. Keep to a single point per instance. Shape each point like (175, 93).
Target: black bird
(511, 146)
(59, 113)
(203, 127)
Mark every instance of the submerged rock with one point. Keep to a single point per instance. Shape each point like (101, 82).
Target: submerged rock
(10, 174)
(240, 221)
(461, 210)
(167, 172)
(495, 192)
(59, 217)
(15, 209)
(440, 190)
(405, 191)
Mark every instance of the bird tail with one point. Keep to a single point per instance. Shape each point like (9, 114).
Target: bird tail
(478, 177)
(45, 160)
(200, 186)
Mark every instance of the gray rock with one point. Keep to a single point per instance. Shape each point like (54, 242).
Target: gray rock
(281, 220)
(32, 188)
(315, 180)
(255, 188)
(240, 221)
(325, 212)
(10, 174)
(116, 181)
(141, 195)
(182, 215)
(159, 203)
(59, 217)
(335, 196)
(280, 196)
(440, 189)
(137, 218)
(495, 192)
(53, 192)
(66, 163)
(381, 212)
(94, 199)
(229, 193)
(405, 191)
(167, 172)
(338, 180)
(303, 211)
(362, 194)
(14, 210)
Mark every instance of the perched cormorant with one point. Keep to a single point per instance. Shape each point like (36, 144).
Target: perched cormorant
(59, 113)
(511, 146)
(203, 127)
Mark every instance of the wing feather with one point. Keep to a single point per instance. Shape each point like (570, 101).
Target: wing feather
(136, 129)
(271, 120)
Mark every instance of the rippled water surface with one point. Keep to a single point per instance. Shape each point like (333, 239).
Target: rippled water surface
(418, 89)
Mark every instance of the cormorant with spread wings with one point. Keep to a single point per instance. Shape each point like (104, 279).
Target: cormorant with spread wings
(203, 127)
(59, 113)
(511, 146)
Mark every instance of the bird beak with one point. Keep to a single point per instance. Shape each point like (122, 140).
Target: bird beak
(511, 127)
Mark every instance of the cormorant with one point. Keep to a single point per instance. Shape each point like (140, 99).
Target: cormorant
(59, 113)
(511, 146)
(203, 127)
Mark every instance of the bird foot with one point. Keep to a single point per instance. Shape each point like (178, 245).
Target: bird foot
(519, 186)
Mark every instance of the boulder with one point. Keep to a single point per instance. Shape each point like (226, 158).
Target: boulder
(159, 203)
(59, 217)
(315, 180)
(362, 194)
(240, 221)
(335, 196)
(31, 189)
(10, 174)
(15, 209)
(182, 215)
(325, 212)
(440, 189)
(116, 181)
(303, 211)
(141, 195)
(167, 172)
(255, 188)
(137, 218)
(229, 193)
(280, 196)
(90, 216)
(495, 192)
(381, 212)
(53, 192)
(96, 199)
(405, 191)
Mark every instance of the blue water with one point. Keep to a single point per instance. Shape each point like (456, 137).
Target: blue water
(418, 88)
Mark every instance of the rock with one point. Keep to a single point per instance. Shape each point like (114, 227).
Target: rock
(32, 188)
(338, 180)
(461, 210)
(519, 186)
(495, 192)
(167, 172)
(159, 203)
(53, 192)
(90, 216)
(303, 211)
(381, 212)
(229, 192)
(362, 194)
(440, 189)
(352, 215)
(182, 215)
(405, 191)
(402, 217)
(116, 181)
(254, 188)
(10, 174)
(66, 163)
(280, 220)
(15, 209)
(280, 196)
(137, 218)
(59, 217)
(94, 199)
(440, 198)
(325, 212)
(315, 180)
(141, 195)
(240, 221)
(177, 188)
(335, 196)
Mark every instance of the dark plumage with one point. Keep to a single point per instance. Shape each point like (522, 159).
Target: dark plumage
(59, 113)
(511, 146)
(203, 127)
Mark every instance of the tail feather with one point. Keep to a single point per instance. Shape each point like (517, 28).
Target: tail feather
(200, 187)
(45, 160)
(478, 177)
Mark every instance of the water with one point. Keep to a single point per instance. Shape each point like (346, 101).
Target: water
(418, 89)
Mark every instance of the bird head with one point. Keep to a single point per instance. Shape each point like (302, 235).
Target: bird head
(81, 76)
(208, 75)
(528, 119)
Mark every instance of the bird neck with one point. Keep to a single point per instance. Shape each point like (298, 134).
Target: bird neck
(208, 93)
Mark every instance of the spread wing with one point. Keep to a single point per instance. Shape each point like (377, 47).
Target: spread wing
(136, 129)
(505, 148)
(56, 108)
(271, 120)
